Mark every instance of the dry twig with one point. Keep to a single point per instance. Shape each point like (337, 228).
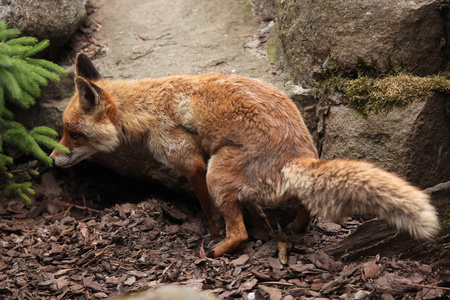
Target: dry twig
(62, 203)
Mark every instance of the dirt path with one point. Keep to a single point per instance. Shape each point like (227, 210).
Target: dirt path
(158, 38)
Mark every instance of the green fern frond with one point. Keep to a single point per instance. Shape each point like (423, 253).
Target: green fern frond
(44, 141)
(39, 47)
(43, 136)
(26, 170)
(5, 61)
(24, 198)
(6, 34)
(22, 41)
(26, 100)
(21, 79)
(9, 83)
(50, 66)
(4, 112)
(5, 160)
(62, 149)
(44, 72)
(24, 142)
(44, 130)
(18, 190)
(7, 125)
(25, 81)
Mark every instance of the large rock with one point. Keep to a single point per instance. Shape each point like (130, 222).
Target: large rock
(54, 20)
(315, 35)
(413, 142)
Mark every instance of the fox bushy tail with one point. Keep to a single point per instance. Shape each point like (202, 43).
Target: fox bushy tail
(340, 188)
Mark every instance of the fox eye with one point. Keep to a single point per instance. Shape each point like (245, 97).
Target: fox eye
(74, 135)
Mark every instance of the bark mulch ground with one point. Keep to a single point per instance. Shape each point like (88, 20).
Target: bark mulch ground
(67, 246)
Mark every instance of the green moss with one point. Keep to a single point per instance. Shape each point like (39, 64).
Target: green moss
(272, 45)
(370, 90)
(373, 95)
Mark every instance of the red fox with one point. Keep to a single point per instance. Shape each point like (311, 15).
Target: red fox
(240, 142)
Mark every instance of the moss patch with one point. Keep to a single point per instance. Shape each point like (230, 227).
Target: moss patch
(370, 91)
(272, 45)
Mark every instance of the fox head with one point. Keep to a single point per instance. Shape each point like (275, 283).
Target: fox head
(89, 119)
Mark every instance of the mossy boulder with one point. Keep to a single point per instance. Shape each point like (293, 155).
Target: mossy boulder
(316, 35)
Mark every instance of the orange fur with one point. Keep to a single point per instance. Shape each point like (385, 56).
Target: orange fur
(239, 141)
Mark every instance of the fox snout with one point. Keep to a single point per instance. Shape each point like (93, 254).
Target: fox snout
(55, 153)
(75, 156)
(57, 157)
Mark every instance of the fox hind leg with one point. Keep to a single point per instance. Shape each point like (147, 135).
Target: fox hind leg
(225, 179)
(198, 182)
(194, 168)
(236, 234)
(301, 221)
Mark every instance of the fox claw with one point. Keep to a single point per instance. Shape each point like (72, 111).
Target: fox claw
(210, 246)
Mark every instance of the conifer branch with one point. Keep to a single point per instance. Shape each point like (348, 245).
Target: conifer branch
(21, 79)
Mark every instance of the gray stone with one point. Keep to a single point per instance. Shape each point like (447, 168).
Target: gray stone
(413, 142)
(55, 20)
(315, 35)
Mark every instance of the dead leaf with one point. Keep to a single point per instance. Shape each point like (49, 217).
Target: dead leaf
(62, 282)
(321, 260)
(425, 269)
(241, 260)
(335, 284)
(349, 269)
(261, 275)
(317, 286)
(371, 270)
(248, 285)
(125, 209)
(142, 37)
(173, 213)
(268, 249)
(51, 187)
(130, 281)
(328, 228)
(274, 263)
(301, 268)
(392, 284)
(432, 293)
(56, 248)
(274, 293)
(85, 233)
(92, 284)
(63, 271)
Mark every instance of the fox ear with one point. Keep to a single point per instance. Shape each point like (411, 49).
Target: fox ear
(86, 69)
(88, 94)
